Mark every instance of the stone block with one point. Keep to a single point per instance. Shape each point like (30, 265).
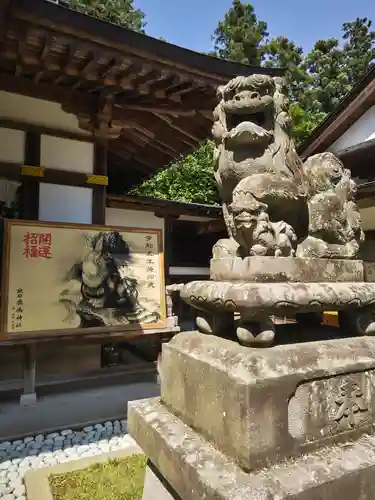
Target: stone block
(286, 269)
(156, 488)
(27, 400)
(195, 469)
(262, 406)
(282, 299)
(369, 271)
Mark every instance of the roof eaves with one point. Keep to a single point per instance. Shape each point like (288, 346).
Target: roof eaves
(347, 99)
(157, 203)
(117, 35)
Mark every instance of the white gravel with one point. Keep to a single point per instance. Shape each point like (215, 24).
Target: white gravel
(35, 452)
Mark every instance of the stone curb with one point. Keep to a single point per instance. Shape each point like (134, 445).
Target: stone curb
(36, 481)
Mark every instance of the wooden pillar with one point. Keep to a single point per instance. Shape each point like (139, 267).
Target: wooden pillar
(168, 247)
(29, 191)
(99, 196)
(28, 398)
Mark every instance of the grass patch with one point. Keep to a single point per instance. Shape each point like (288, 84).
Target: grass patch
(120, 479)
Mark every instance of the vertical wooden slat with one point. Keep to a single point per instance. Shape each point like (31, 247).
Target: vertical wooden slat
(29, 192)
(99, 195)
(29, 375)
(168, 248)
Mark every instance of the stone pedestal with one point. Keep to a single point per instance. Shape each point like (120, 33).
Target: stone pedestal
(293, 421)
(256, 288)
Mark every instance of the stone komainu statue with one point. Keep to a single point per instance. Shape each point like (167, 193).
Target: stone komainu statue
(273, 204)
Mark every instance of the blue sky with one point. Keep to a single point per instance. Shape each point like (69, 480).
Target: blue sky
(190, 23)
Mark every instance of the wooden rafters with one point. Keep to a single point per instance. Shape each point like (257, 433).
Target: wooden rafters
(65, 63)
(43, 55)
(153, 100)
(193, 139)
(81, 102)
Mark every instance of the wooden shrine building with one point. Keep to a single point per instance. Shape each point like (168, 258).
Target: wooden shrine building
(87, 110)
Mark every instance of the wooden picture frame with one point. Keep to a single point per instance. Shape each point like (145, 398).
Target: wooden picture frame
(131, 328)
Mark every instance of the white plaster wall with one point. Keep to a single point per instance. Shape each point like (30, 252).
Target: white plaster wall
(12, 145)
(362, 130)
(59, 203)
(368, 218)
(133, 218)
(65, 203)
(37, 112)
(12, 149)
(67, 154)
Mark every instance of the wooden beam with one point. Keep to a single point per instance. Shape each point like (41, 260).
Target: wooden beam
(168, 247)
(157, 141)
(163, 207)
(68, 56)
(29, 192)
(81, 102)
(13, 171)
(151, 157)
(170, 111)
(124, 156)
(357, 148)
(169, 122)
(173, 139)
(55, 132)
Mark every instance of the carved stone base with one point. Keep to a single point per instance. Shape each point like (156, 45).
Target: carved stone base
(278, 298)
(256, 302)
(295, 421)
(286, 269)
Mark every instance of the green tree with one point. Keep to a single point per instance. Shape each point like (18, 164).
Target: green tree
(359, 48)
(335, 70)
(281, 52)
(121, 12)
(189, 179)
(316, 83)
(240, 35)
(303, 122)
(326, 64)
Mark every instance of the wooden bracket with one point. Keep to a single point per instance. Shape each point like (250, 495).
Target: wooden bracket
(99, 180)
(31, 171)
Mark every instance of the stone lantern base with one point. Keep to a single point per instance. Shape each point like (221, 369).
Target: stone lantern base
(290, 422)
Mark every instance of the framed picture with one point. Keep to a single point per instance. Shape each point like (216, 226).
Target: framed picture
(76, 277)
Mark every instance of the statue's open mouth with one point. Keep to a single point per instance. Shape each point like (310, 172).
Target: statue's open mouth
(251, 124)
(249, 132)
(258, 118)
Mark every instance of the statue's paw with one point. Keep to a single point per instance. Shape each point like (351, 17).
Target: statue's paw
(224, 248)
(258, 250)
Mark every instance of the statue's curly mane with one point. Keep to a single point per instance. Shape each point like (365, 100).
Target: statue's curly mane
(284, 149)
(320, 170)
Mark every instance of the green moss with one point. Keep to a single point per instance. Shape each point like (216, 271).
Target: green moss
(120, 479)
